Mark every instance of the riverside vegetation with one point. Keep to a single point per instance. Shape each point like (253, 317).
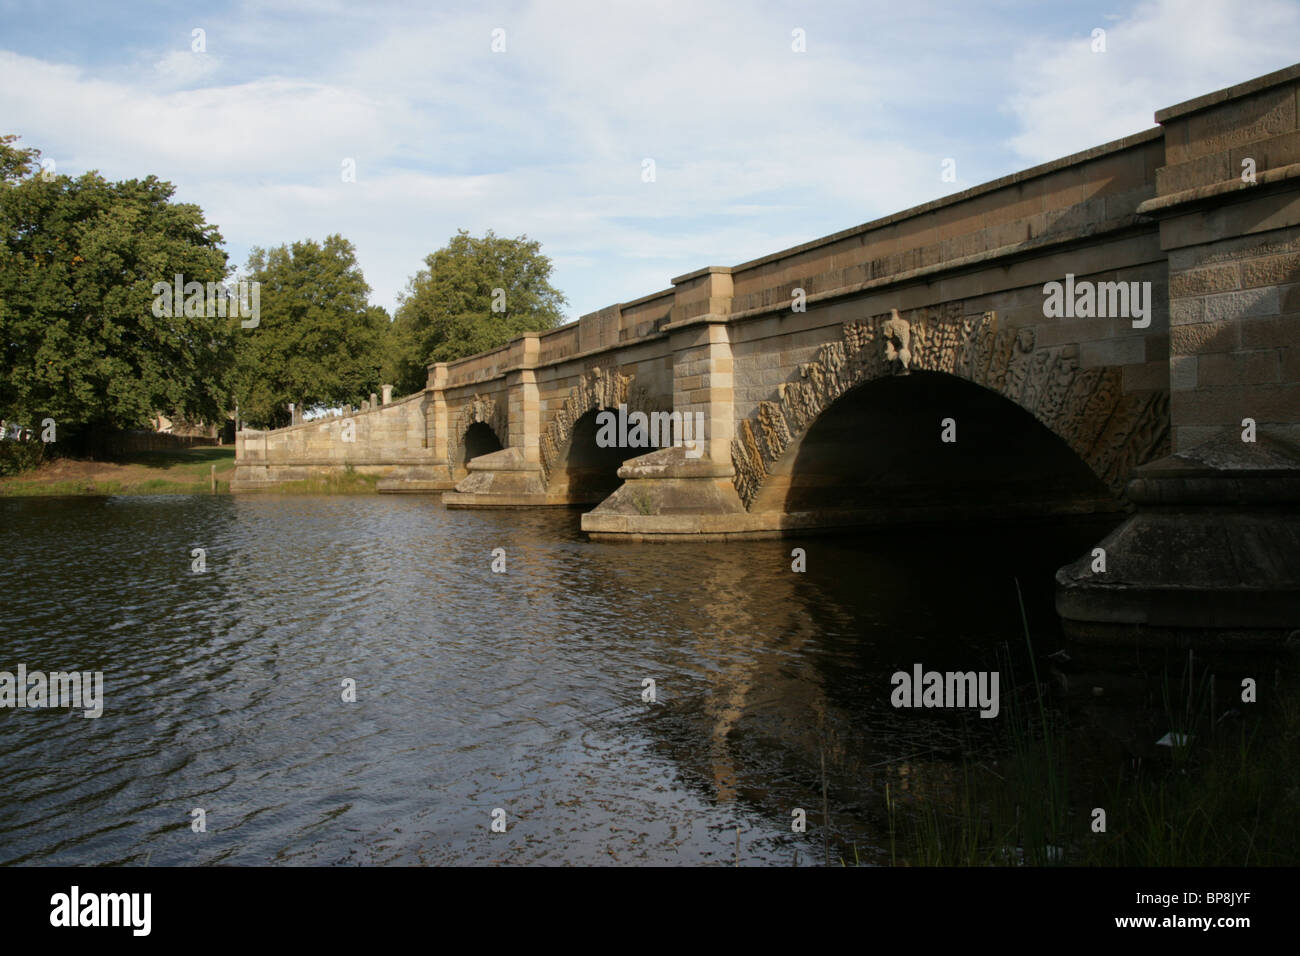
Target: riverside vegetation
(182, 471)
(1221, 792)
(90, 346)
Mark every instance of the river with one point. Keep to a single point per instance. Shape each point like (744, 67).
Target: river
(477, 691)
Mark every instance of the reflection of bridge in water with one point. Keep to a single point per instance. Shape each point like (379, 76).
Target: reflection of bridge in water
(829, 376)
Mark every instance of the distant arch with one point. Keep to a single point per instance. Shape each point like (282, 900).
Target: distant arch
(479, 439)
(480, 410)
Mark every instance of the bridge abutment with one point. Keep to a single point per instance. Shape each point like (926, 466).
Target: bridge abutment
(687, 490)
(512, 477)
(1212, 553)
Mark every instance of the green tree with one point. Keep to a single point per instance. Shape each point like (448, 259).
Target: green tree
(318, 343)
(473, 295)
(78, 338)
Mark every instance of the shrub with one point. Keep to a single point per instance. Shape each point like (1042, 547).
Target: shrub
(17, 456)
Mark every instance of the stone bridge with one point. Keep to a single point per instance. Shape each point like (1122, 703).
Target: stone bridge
(922, 367)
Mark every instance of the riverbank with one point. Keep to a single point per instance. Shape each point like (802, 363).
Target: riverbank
(186, 471)
(1216, 789)
(177, 471)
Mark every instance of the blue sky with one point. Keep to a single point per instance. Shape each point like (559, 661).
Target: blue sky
(756, 147)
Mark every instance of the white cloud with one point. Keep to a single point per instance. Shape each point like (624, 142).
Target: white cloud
(1070, 98)
(756, 147)
(185, 67)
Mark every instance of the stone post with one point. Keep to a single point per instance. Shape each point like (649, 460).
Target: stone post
(1228, 202)
(525, 416)
(703, 380)
(387, 394)
(436, 422)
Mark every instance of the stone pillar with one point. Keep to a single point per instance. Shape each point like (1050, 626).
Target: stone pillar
(703, 383)
(1228, 201)
(512, 477)
(525, 409)
(1212, 554)
(387, 394)
(436, 422)
(671, 493)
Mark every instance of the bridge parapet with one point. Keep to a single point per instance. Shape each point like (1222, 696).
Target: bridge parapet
(382, 439)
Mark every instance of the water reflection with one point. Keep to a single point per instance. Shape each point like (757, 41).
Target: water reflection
(478, 690)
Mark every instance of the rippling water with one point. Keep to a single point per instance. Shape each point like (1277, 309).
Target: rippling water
(477, 690)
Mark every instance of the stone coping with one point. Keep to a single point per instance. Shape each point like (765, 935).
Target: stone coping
(1024, 175)
(1276, 78)
(706, 271)
(1176, 201)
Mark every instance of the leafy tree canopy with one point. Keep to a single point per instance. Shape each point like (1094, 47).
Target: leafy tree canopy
(78, 262)
(318, 341)
(447, 311)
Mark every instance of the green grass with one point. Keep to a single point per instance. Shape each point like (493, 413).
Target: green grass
(180, 471)
(1226, 798)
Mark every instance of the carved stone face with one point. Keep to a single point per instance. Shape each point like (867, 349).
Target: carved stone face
(897, 333)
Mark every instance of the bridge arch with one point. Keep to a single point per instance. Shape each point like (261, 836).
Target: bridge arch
(1086, 408)
(572, 463)
(598, 388)
(480, 410)
(878, 454)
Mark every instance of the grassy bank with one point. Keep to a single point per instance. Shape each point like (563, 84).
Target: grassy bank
(178, 472)
(184, 471)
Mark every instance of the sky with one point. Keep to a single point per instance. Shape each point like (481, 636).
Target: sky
(756, 145)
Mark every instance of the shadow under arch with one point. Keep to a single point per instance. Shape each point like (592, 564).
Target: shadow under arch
(876, 456)
(584, 471)
(479, 439)
(483, 410)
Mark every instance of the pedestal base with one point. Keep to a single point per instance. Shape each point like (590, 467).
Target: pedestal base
(1211, 556)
